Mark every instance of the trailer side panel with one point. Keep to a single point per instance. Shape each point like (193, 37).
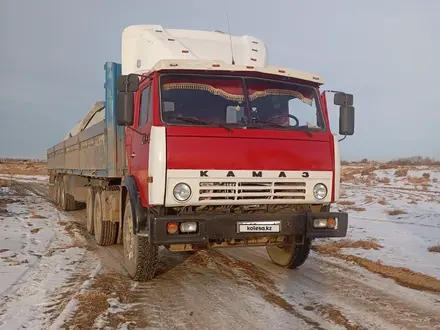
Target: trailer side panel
(97, 151)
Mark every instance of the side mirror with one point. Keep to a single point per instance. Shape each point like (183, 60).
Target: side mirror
(125, 109)
(127, 83)
(343, 99)
(346, 120)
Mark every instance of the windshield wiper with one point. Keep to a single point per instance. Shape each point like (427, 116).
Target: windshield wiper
(270, 123)
(199, 121)
(259, 121)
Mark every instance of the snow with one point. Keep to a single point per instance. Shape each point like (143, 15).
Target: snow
(37, 258)
(25, 178)
(405, 237)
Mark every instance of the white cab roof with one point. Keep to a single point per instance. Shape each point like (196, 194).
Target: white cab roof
(222, 66)
(148, 48)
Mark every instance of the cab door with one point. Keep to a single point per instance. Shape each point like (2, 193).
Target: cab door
(141, 140)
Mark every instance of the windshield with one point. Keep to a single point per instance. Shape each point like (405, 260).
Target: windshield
(214, 100)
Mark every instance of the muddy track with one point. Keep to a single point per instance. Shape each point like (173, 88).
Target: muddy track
(241, 288)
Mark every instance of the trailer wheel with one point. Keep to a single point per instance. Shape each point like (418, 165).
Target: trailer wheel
(140, 257)
(62, 195)
(105, 231)
(90, 205)
(59, 190)
(290, 255)
(56, 189)
(66, 201)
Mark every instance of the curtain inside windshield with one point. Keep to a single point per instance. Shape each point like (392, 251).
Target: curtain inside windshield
(222, 100)
(202, 98)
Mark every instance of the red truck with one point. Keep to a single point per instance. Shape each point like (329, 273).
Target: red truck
(201, 144)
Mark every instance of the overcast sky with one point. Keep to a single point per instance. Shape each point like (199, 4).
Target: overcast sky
(387, 53)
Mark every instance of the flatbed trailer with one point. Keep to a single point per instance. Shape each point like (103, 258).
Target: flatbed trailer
(97, 151)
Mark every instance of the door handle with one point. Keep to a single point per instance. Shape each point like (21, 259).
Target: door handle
(133, 155)
(145, 138)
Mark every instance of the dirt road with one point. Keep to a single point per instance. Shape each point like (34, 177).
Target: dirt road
(241, 289)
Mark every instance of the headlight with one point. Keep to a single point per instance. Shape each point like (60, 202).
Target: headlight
(319, 191)
(181, 192)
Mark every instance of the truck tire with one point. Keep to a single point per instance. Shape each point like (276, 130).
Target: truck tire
(140, 257)
(67, 201)
(59, 190)
(105, 231)
(290, 256)
(56, 189)
(90, 205)
(61, 194)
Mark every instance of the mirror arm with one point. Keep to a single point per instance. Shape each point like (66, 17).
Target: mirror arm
(143, 135)
(342, 138)
(331, 91)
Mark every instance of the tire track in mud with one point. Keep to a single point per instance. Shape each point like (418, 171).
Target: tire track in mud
(360, 296)
(189, 293)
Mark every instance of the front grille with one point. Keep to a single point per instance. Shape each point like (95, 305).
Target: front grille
(252, 191)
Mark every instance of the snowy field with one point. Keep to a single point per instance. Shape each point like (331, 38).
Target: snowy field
(397, 208)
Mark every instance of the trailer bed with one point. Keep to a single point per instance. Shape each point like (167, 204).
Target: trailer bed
(97, 151)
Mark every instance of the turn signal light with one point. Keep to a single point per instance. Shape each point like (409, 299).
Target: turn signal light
(331, 223)
(172, 227)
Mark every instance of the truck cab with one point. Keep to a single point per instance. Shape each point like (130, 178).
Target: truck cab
(222, 149)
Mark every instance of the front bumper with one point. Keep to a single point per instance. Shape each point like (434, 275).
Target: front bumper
(224, 226)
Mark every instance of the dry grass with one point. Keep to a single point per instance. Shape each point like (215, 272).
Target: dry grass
(403, 276)
(368, 171)
(35, 215)
(336, 317)
(383, 180)
(347, 176)
(346, 203)
(5, 183)
(419, 180)
(356, 208)
(335, 247)
(397, 212)
(95, 303)
(415, 161)
(401, 172)
(435, 249)
(385, 167)
(23, 167)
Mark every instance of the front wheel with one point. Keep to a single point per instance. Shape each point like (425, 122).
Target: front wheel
(290, 255)
(140, 257)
